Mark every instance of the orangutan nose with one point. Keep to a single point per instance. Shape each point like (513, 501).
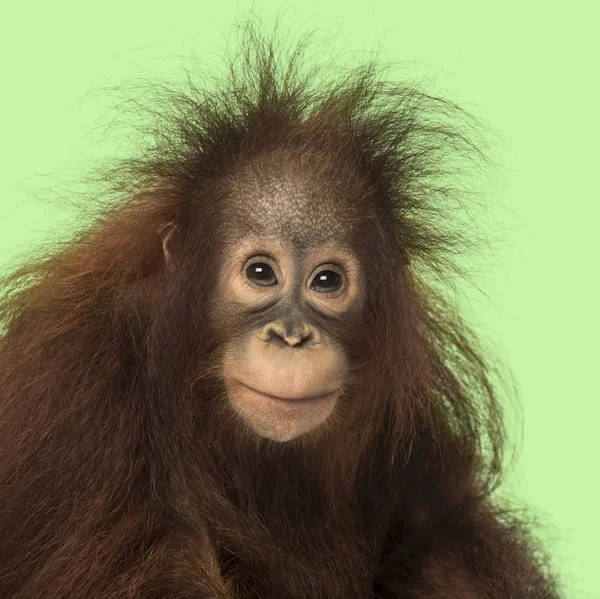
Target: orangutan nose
(292, 333)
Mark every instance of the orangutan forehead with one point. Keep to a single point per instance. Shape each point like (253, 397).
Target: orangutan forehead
(290, 208)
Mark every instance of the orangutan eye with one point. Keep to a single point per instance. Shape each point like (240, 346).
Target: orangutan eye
(327, 281)
(261, 273)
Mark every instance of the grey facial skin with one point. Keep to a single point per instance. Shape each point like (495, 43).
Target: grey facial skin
(284, 375)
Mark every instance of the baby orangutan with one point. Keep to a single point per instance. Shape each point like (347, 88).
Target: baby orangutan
(235, 384)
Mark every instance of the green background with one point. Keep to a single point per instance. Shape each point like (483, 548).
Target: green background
(529, 69)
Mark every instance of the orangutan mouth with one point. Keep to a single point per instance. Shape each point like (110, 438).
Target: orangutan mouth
(294, 398)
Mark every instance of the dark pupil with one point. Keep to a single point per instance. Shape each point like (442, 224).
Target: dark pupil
(326, 282)
(261, 274)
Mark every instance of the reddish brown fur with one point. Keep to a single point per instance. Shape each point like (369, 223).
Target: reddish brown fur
(123, 475)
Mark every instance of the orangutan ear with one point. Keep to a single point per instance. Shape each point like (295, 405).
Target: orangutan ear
(166, 232)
